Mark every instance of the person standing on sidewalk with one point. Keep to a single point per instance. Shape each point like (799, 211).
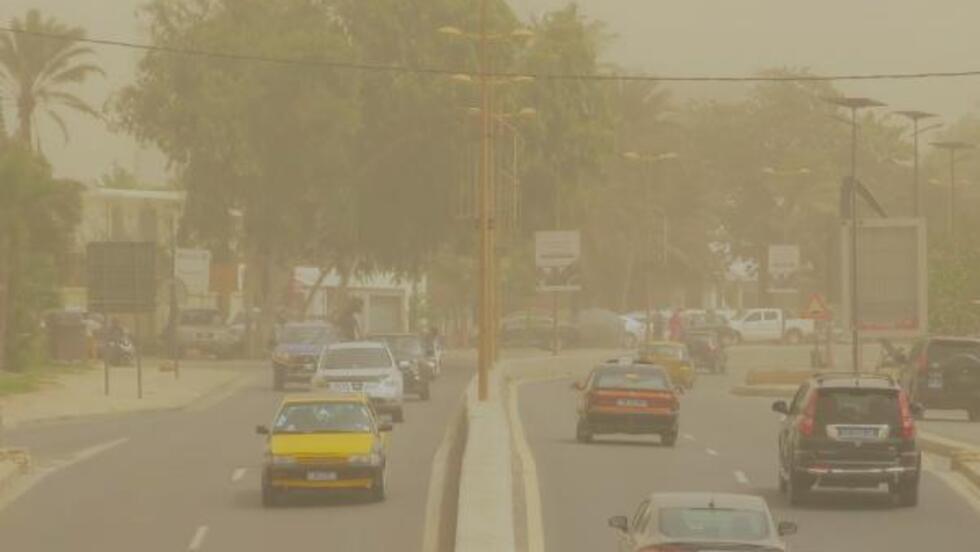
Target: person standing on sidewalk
(676, 326)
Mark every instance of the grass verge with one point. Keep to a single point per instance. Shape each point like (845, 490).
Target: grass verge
(14, 383)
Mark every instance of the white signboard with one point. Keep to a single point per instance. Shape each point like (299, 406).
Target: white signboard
(193, 268)
(557, 256)
(892, 278)
(784, 267)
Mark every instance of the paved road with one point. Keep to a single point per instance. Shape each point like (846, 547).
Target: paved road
(169, 481)
(727, 445)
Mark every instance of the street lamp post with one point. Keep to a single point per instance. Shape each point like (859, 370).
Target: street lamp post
(915, 117)
(953, 147)
(854, 104)
(649, 161)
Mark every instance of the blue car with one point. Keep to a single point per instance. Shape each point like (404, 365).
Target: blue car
(297, 350)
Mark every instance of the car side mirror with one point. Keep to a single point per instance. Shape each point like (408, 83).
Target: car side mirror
(619, 523)
(261, 430)
(385, 427)
(786, 528)
(780, 407)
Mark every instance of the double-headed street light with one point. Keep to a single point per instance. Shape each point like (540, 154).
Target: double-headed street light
(649, 160)
(953, 147)
(915, 117)
(854, 104)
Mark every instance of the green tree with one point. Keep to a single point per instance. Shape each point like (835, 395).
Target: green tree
(38, 72)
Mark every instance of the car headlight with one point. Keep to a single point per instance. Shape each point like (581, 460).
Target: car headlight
(373, 459)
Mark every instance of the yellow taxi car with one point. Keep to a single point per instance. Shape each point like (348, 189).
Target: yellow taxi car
(324, 443)
(672, 356)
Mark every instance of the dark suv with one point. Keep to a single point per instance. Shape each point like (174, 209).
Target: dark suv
(944, 373)
(849, 430)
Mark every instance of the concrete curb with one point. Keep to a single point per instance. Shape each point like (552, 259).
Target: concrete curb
(485, 511)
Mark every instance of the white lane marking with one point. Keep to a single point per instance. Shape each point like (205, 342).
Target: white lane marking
(741, 477)
(238, 474)
(197, 541)
(529, 472)
(24, 484)
(688, 436)
(711, 452)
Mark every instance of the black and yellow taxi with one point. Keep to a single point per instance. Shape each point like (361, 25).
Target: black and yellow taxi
(325, 443)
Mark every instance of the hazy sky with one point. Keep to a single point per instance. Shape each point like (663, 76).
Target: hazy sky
(675, 37)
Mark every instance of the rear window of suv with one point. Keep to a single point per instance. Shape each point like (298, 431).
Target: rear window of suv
(941, 350)
(857, 406)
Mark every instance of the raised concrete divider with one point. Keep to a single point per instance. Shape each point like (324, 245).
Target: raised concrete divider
(485, 519)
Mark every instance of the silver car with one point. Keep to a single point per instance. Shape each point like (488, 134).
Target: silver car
(701, 522)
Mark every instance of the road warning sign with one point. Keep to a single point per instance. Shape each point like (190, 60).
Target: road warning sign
(816, 308)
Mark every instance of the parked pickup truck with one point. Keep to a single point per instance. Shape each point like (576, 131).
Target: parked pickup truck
(770, 325)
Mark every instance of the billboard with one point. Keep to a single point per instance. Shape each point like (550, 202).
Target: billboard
(784, 268)
(121, 277)
(557, 258)
(892, 278)
(193, 268)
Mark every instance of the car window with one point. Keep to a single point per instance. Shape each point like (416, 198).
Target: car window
(640, 512)
(941, 350)
(353, 359)
(771, 315)
(325, 417)
(639, 380)
(857, 406)
(404, 346)
(794, 407)
(714, 524)
(754, 317)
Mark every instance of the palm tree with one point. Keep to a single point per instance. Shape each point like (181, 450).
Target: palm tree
(35, 69)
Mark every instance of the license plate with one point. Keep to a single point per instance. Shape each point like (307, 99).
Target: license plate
(635, 403)
(935, 381)
(321, 476)
(858, 433)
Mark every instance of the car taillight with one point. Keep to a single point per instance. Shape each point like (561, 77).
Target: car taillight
(807, 420)
(908, 423)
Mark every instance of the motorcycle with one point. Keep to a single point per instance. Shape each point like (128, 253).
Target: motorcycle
(119, 351)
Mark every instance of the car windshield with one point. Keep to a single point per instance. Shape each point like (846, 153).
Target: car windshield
(406, 346)
(324, 417)
(857, 406)
(714, 524)
(303, 334)
(942, 350)
(355, 358)
(639, 380)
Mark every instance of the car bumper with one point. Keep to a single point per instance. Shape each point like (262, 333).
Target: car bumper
(857, 474)
(341, 477)
(631, 423)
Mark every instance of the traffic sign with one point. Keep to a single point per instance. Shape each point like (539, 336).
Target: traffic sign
(816, 308)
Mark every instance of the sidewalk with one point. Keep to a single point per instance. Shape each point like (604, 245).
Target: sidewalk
(82, 394)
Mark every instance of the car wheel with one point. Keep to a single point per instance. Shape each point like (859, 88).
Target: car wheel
(797, 487)
(379, 487)
(907, 493)
(278, 380)
(398, 416)
(583, 433)
(668, 439)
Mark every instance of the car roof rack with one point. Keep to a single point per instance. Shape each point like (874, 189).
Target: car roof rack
(856, 376)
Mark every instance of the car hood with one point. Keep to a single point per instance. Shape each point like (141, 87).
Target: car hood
(299, 348)
(358, 373)
(322, 444)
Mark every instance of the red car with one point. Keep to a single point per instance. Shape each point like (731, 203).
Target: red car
(636, 399)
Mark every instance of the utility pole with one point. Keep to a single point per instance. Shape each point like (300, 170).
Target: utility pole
(854, 104)
(486, 228)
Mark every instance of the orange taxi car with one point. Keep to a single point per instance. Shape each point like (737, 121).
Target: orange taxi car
(636, 399)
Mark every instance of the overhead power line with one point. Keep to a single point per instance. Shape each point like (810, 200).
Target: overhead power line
(408, 69)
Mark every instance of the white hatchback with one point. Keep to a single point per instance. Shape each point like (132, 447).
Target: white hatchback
(363, 367)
